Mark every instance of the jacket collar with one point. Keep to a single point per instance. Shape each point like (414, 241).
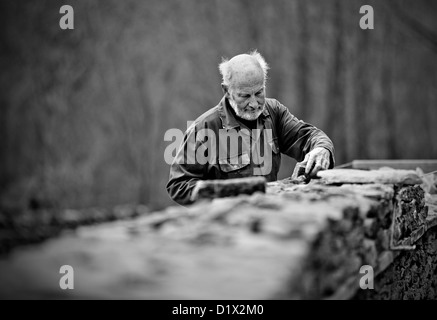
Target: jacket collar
(228, 119)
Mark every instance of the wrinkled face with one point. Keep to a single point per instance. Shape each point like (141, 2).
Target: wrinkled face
(247, 99)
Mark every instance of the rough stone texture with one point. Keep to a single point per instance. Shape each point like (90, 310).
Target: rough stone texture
(431, 203)
(211, 189)
(20, 228)
(292, 242)
(235, 248)
(427, 165)
(410, 213)
(411, 276)
(429, 181)
(383, 175)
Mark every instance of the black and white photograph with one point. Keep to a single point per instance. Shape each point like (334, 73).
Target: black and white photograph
(218, 155)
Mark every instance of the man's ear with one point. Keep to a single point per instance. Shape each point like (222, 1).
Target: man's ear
(225, 89)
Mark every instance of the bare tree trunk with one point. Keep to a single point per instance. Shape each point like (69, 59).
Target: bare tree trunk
(303, 50)
(362, 93)
(336, 77)
(427, 35)
(387, 84)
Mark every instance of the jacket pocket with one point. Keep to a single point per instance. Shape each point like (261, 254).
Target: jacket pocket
(234, 163)
(274, 145)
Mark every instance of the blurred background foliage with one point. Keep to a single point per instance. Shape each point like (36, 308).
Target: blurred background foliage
(84, 111)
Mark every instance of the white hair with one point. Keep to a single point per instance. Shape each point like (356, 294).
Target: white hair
(226, 70)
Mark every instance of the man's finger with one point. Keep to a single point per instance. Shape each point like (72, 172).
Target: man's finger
(321, 164)
(304, 162)
(316, 169)
(297, 170)
(300, 166)
(325, 164)
(317, 165)
(309, 164)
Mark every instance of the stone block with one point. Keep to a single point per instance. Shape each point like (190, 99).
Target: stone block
(341, 176)
(210, 189)
(371, 228)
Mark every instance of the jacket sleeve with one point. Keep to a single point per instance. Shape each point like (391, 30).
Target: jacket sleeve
(297, 138)
(185, 171)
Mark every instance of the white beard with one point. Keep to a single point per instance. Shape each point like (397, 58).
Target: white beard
(246, 115)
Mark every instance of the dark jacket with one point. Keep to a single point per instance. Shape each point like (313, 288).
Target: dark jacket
(258, 151)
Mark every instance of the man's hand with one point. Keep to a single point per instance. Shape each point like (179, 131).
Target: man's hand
(314, 161)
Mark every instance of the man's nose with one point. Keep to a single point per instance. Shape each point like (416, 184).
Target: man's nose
(252, 102)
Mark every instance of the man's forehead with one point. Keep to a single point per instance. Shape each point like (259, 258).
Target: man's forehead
(248, 88)
(249, 80)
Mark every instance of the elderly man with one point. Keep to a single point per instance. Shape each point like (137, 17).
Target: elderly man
(245, 134)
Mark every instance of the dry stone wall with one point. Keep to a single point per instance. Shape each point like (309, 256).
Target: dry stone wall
(411, 276)
(295, 241)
